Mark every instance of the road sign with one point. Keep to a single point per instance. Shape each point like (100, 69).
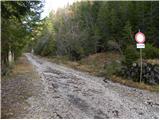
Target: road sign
(140, 37)
(140, 45)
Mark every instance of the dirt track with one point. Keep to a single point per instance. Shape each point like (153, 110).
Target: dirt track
(62, 92)
(73, 94)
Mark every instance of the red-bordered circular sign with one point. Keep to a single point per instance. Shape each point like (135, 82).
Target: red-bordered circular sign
(140, 37)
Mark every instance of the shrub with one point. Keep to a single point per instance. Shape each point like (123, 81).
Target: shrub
(131, 55)
(112, 68)
(76, 53)
(150, 52)
(112, 45)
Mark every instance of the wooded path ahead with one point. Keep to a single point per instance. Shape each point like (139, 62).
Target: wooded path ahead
(41, 89)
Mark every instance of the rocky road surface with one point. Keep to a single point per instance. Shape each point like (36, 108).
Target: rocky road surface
(68, 93)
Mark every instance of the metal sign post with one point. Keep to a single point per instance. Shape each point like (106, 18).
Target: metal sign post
(141, 65)
(140, 38)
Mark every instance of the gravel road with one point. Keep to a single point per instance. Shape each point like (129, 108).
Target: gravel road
(68, 93)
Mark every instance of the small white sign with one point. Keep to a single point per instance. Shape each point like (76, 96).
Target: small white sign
(140, 45)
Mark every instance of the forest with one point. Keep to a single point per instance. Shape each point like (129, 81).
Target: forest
(80, 60)
(81, 29)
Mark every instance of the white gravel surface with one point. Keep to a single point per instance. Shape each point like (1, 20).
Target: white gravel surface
(68, 93)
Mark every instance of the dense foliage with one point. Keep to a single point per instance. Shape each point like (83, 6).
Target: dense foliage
(80, 29)
(92, 26)
(18, 21)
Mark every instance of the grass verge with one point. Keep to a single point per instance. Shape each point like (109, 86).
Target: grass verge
(152, 88)
(17, 87)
